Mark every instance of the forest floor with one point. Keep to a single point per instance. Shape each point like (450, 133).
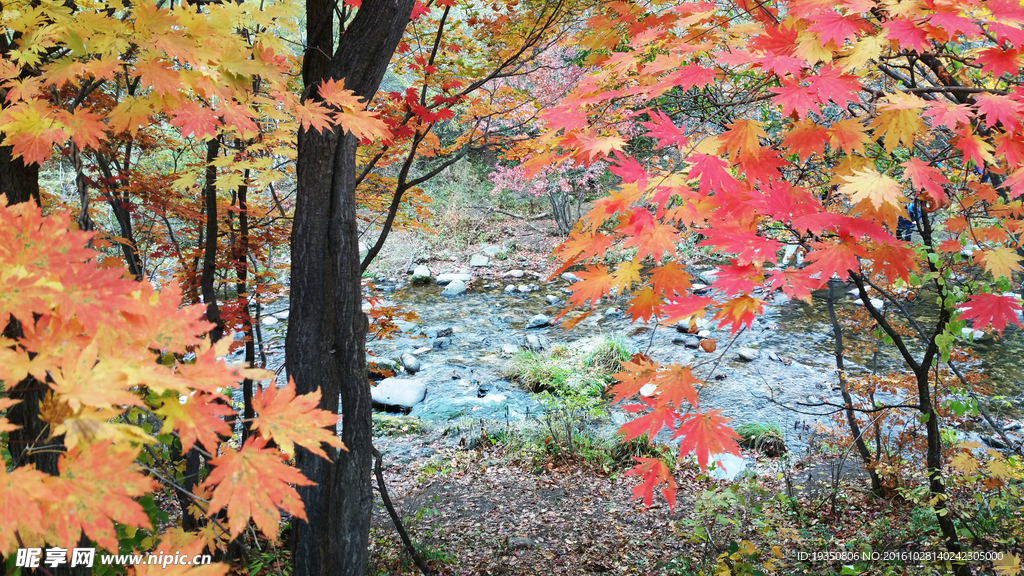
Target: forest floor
(484, 511)
(492, 510)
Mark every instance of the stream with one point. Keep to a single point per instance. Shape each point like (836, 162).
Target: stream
(462, 342)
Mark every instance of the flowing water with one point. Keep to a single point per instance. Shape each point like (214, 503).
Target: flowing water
(796, 363)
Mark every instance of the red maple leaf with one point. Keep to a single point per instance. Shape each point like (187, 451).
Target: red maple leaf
(907, 33)
(650, 423)
(795, 99)
(685, 307)
(706, 435)
(644, 305)
(418, 10)
(737, 279)
(835, 27)
(830, 260)
(997, 61)
(629, 169)
(990, 310)
(924, 177)
(195, 120)
(676, 384)
(664, 130)
(830, 83)
(999, 109)
(670, 279)
(654, 472)
(713, 173)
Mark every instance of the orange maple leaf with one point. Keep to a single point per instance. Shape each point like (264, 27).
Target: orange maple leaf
(254, 482)
(200, 417)
(97, 487)
(595, 283)
(288, 419)
(739, 311)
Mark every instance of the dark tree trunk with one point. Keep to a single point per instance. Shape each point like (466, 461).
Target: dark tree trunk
(326, 339)
(18, 182)
(210, 250)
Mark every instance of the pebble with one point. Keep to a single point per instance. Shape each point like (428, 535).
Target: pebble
(748, 354)
(538, 321)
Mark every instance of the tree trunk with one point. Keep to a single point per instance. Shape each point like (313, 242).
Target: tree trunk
(326, 340)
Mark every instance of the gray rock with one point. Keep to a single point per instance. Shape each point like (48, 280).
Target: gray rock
(509, 349)
(405, 325)
(421, 275)
(491, 250)
(268, 321)
(443, 279)
(613, 313)
(411, 363)
(691, 342)
(523, 288)
(748, 354)
(513, 274)
(570, 277)
(875, 302)
(536, 343)
(442, 342)
(399, 393)
(438, 332)
(538, 321)
(422, 350)
(699, 288)
(552, 299)
(520, 543)
(478, 261)
(704, 334)
(774, 357)
(454, 288)
(510, 289)
(727, 466)
(534, 287)
(993, 442)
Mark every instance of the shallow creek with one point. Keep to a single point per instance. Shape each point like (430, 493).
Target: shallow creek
(461, 369)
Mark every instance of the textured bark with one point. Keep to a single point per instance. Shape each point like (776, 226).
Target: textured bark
(325, 346)
(210, 250)
(18, 182)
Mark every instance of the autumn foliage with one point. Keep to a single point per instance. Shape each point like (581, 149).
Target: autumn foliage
(129, 375)
(797, 124)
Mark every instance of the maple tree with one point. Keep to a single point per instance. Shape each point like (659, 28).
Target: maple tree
(803, 124)
(127, 374)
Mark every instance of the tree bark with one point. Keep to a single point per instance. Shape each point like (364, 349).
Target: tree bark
(325, 345)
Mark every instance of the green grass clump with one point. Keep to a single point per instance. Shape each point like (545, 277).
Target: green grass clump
(764, 437)
(584, 368)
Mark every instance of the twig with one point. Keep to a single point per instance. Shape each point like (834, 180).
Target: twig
(382, 488)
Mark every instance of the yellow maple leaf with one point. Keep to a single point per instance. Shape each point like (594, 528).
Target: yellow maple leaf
(965, 462)
(626, 274)
(900, 120)
(1007, 565)
(1001, 262)
(871, 185)
(867, 48)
